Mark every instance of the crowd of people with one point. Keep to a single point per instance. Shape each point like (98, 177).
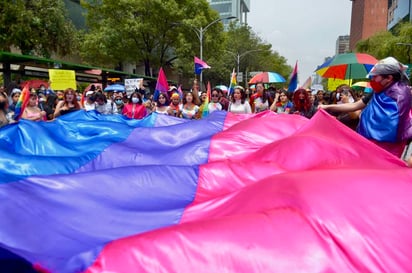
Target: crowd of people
(389, 106)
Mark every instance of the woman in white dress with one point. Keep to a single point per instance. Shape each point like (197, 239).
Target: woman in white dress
(239, 103)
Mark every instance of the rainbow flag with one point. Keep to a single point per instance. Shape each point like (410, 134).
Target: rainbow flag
(22, 102)
(205, 110)
(200, 65)
(230, 191)
(233, 82)
(308, 83)
(161, 85)
(293, 79)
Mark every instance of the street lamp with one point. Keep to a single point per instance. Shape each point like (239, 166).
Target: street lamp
(407, 52)
(200, 33)
(238, 56)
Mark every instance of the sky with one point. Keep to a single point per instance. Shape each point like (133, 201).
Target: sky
(301, 30)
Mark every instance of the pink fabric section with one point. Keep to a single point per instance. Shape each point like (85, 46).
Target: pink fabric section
(282, 193)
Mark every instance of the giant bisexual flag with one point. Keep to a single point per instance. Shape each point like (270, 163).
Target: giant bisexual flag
(232, 193)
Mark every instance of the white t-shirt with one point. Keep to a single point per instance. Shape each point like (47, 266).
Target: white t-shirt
(260, 106)
(214, 106)
(89, 107)
(107, 108)
(240, 108)
(189, 113)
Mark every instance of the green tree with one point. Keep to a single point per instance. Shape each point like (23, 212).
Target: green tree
(153, 32)
(253, 54)
(387, 43)
(379, 45)
(38, 27)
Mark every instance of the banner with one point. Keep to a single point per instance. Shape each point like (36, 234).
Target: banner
(334, 83)
(132, 84)
(62, 79)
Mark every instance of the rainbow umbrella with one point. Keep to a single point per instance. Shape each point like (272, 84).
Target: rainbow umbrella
(366, 86)
(362, 84)
(347, 66)
(222, 87)
(267, 77)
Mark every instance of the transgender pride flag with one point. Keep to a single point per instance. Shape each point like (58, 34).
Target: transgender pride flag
(99, 193)
(200, 65)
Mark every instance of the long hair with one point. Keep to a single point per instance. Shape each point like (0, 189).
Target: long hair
(166, 103)
(265, 96)
(74, 101)
(242, 93)
(138, 96)
(304, 105)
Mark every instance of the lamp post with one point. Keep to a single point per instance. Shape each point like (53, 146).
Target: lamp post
(238, 56)
(407, 52)
(200, 33)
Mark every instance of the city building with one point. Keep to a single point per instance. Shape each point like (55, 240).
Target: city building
(226, 8)
(399, 11)
(368, 17)
(342, 44)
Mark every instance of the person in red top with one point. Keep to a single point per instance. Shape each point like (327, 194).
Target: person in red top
(259, 101)
(135, 108)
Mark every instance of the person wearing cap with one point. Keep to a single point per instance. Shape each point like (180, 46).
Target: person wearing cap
(175, 107)
(171, 91)
(90, 101)
(14, 97)
(385, 117)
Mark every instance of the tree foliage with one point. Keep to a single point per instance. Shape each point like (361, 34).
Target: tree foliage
(389, 43)
(38, 27)
(244, 46)
(142, 31)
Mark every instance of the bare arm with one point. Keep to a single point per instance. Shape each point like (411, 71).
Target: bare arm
(344, 107)
(273, 106)
(59, 107)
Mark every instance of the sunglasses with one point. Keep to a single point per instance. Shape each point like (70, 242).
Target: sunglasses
(215, 95)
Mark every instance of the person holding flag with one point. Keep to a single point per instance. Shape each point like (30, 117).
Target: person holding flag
(22, 103)
(211, 102)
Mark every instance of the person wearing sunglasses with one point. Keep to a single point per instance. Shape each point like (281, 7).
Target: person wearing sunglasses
(213, 105)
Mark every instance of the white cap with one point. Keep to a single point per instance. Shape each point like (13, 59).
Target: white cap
(88, 93)
(389, 66)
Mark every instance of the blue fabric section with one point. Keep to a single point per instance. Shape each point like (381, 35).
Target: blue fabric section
(110, 179)
(380, 119)
(62, 146)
